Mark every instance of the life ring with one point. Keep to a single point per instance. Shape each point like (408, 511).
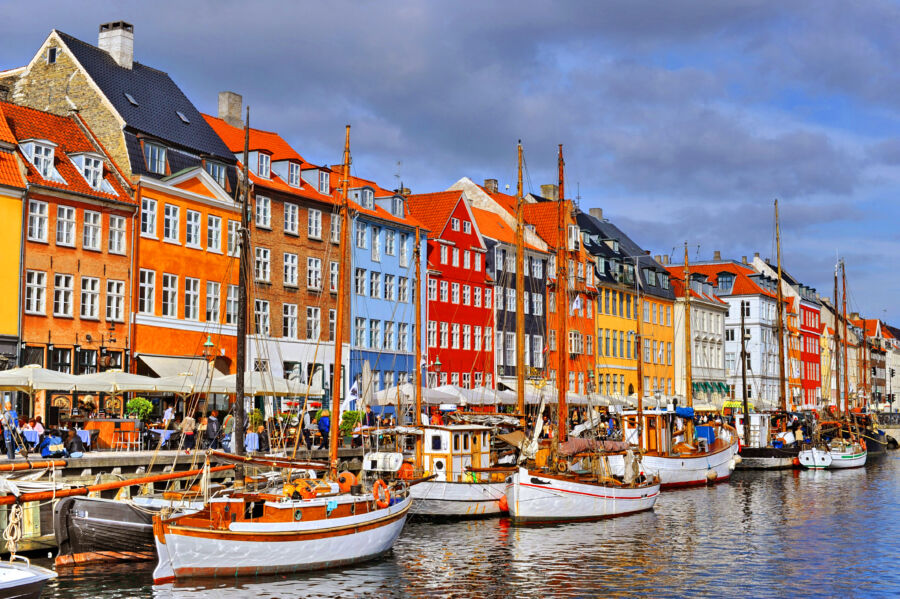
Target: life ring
(561, 467)
(379, 501)
(346, 480)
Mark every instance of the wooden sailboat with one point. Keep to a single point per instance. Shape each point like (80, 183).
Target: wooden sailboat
(557, 492)
(668, 451)
(466, 484)
(312, 524)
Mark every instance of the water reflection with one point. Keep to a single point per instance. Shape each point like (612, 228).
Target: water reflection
(813, 533)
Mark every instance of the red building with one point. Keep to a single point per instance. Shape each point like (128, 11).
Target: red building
(460, 315)
(810, 352)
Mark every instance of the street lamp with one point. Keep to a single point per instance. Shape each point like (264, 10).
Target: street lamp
(437, 370)
(209, 350)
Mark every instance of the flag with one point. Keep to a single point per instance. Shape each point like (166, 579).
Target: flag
(576, 305)
(659, 354)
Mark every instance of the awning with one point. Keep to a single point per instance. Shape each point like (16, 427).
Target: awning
(165, 366)
(724, 388)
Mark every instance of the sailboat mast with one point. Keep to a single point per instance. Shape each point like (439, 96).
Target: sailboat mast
(520, 289)
(639, 309)
(417, 380)
(339, 316)
(779, 325)
(836, 359)
(744, 383)
(846, 365)
(562, 307)
(688, 347)
(244, 278)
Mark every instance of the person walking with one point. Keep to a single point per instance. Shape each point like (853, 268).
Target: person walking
(227, 430)
(325, 428)
(10, 428)
(187, 432)
(212, 430)
(306, 429)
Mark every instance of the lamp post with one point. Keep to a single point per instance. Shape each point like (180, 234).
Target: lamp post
(437, 371)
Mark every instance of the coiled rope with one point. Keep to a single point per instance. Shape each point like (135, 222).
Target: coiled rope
(13, 533)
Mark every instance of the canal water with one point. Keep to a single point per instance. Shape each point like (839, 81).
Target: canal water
(763, 534)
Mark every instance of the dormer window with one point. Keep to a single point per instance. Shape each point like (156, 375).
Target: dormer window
(324, 182)
(573, 237)
(93, 171)
(664, 281)
(367, 199)
(265, 165)
(398, 207)
(293, 174)
(155, 155)
(183, 118)
(42, 159)
(216, 170)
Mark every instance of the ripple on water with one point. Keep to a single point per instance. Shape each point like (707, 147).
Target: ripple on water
(763, 534)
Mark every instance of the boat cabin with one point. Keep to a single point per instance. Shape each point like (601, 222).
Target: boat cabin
(759, 428)
(657, 430)
(449, 450)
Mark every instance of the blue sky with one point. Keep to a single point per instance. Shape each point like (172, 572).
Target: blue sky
(683, 121)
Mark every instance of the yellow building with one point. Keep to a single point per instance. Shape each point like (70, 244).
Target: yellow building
(658, 334)
(616, 323)
(12, 189)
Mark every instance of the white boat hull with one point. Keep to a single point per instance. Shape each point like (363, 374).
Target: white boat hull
(815, 458)
(461, 500)
(678, 471)
(281, 548)
(833, 458)
(532, 497)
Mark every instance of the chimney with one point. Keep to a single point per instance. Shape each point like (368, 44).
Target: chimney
(854, 315)
(551, 192)
(658, 258)
(665, 259)
(755, 255)
(717, 255)
(230, 106)
(744, 259)
(405, 192)
(117, 39)
(491, 185)
(596, 213)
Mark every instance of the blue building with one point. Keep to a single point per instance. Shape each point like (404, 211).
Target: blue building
(382, 287)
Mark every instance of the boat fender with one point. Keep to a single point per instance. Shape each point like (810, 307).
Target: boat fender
(346, 480)
(561, 467)
(732, 464)
(862, 443)
(737, 459)
(503, 504)
(711, 475)
(381, 494)
(795, 461)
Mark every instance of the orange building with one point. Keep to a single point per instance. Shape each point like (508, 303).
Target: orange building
(77, 248)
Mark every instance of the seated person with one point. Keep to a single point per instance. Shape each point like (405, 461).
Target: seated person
(38, 425)
(51, 446)
(74, 446)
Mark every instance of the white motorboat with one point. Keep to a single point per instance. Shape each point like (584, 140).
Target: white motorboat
(21, 580)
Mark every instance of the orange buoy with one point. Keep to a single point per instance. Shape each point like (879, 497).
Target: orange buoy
(504, 505)
(382, 497)
(346, 480)
(796, 461)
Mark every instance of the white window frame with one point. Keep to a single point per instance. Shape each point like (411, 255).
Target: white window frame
(333, 274)
(148, 217)
(118, 227)
(314, 224)
(261, 317)
(191, 298)
(213, 301)
(262, 265)
(291, 264)
(293, 174)
(171, 221)
(192, 229)
(234, 239)
(155, 156)
(313, 323)
(115, 300)
(37, 220)
(90, 298)
(214, 233)
(35, 292)
(314, 273)
(63, 294)
(263, 211)
(92, 230)
(291, 218)
(146, 291)
(231, 304)
(289, 321)
(65, 225)
(170, 295)
(264, 166)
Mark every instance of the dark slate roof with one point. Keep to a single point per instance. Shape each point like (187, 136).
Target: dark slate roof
(158, 99)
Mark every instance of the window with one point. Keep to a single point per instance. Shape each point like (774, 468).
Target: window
(265, 165)
(467, 337)
(214, 233)
(745, 306)
(404, 289)
(359, 280)
(476, 299)
(467, 260)
(93, 171)
(537, 301)
(146, 291)
(61, 360)
(293, 174)
(170, 295)
(467, 227)
(51, 55)
(467, 295)
(454, 293)
(476, 340)
(361, 236)
(212, 301)
(216, 170)
(263, 211)
(444, 254)
(367, 199)
(115, 300)
(375, 334)
(192, 229)
(376, 244)
(403, 337)
(117, 226)
(35, 292)
(335, 228)
(454, 224)
(445, 291)
(42, 158)
(510, 348)
(291, 218)
(388, 335)
(170, 222)
(510, 300)
(487, 298)
(65, 225)
(445, 335)
(455, 256)
(432, 333)
(234, 238)
(389, 287)
(191, 298)
(360, 331)
(432, 290)
(455, 332)
(537, 348)
(289, 321)
(477, 262)
(148, 217)
(525, 307)
(552, 342)
(262, 265)
(314, 224)
(313, 273)
(488, 336)
(313, 322)
(62, 295)
(390, 238)
(37, 220)
(231, 305)
(156, 158)
(290, 269)
(332, 321)
(261, 317)
(404, 252)
(333, 274)
(324, 182)
(375, 285)
(90, 298)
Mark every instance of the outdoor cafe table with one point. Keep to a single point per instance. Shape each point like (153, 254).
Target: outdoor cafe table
(163, 433)
(31, 436)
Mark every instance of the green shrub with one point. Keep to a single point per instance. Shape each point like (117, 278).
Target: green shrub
(139, 407)
(349, 420)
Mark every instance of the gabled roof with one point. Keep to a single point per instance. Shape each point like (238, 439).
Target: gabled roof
(493, 227)
(158, 99)
(545, 219)
(743, 283)
(337, 177)
(434, 209)
(676, 277)
(28, 123)
(355, 182)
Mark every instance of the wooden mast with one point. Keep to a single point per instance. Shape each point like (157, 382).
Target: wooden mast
(339, 316)
(846, 365)
(837, 346)
(417, 379)
(640, 352)
(520, 290)
(688, 347)
(244, 278)
(779, 309)
(562, 305)
(744, 383)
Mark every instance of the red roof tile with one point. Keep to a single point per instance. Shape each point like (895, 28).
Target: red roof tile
(676, 276)
(491, 225)
(434, 209)
(28, 123)
(9, 170)
(544, 216)
(743, 284)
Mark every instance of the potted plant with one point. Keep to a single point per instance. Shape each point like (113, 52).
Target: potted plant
(139, 408)
(349, 421)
